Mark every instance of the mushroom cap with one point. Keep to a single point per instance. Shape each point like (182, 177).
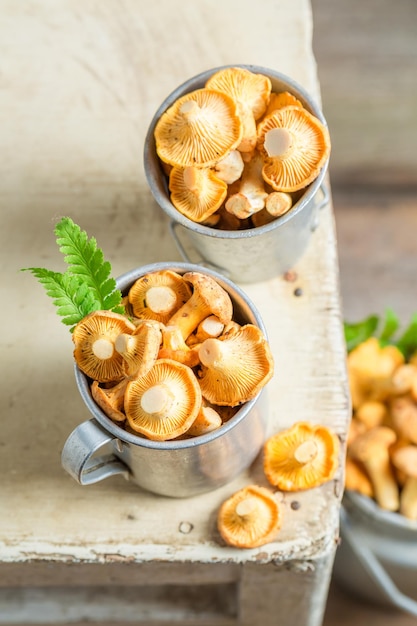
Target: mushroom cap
(157, 295)
(301, 457)
(235, 366)
(199, 129)
(140, 350)
(162, 404)
(208, 298)
(94, 337)
(251, 93)
(403, 412)
(110, 400)
(281, 100)
(197, 193)
(250, 90)
(372, 443)
(249, 518)
(405, 459)
(295, 146)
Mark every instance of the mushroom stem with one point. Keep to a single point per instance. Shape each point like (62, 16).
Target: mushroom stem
(247, 507)
(208, 298)
(306, 452)
(190, 109)
(384, 484)
(408, 499)
(103, 348)
(211, 352)
(160, 299)
(157, 400)
(251, 195)
(278, 142)
(278, 203)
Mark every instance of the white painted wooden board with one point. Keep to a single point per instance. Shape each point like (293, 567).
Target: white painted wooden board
(79, 83)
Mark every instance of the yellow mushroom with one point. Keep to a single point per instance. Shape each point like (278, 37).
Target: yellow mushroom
(197, 193)
(111, 399)
(207, 420)
(235, 367)
(230, 168)
(251, 195)
(405, 460)
(208, 298)
(174, 347)
(249, 518)
(403, 411)
(139, 349)
(157, 295)
(278, 203)
(295, 146)
(163, 404)
(301, 457)
(94, 339)
(371, 449)
(371, 413)
(280, 100)
(356, 478)
(198, 130)
(250, 91)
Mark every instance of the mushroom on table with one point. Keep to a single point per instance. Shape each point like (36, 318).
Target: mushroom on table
(301, 457)
(249, 518)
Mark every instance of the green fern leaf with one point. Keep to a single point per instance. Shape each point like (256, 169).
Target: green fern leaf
(86, 260)
(86, 285)
(69, 294)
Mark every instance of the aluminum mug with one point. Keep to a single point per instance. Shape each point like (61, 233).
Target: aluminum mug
(251, 255)
(377, 557)
(99, 448)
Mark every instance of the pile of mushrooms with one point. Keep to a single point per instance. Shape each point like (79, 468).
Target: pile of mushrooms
(382, 441)
(177, 364)
(238, 155)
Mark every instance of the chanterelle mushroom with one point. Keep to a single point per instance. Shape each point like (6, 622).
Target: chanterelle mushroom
(139, 349)
(111, 400)
(371, 449)
(164, 403)
(208, 298)
(199, 129)
(230, 168)
(251, 195)
(301, 457)
(249, 518)
(250, 91)
(157, 295)
(197, 193)
(295, 145)
(405, 459)
(94, 338)
(235, 366)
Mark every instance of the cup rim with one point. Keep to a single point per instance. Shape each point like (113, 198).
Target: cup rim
(123, 282)
(156, 179)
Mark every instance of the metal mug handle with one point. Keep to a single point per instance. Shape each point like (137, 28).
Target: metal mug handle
(173, 226)
(78, 455)
(374, 568)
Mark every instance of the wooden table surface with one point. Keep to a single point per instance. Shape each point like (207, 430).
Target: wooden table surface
(80, 82)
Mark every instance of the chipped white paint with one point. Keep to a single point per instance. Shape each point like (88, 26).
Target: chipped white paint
(80, 83)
